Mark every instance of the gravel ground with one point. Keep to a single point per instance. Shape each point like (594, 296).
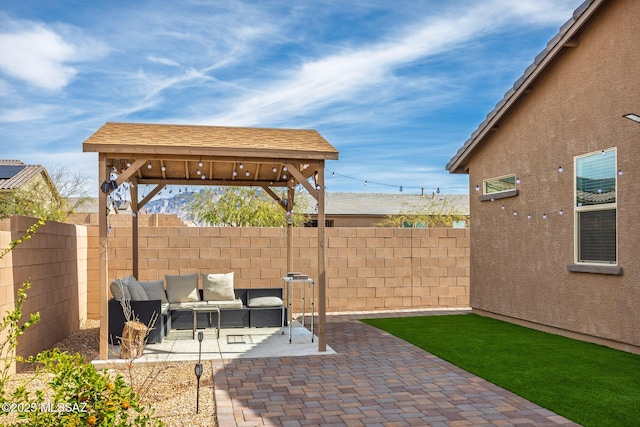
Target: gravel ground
(169, 387)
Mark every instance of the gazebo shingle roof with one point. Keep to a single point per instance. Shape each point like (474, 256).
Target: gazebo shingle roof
(148, 138)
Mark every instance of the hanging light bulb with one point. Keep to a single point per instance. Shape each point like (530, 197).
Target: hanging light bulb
(198, 172)
(493, 200)
(438, 190)
(318, 187)
(284, 168)
(518, 181)
(241, 166)
(366, 183)
(620, 172)
(247, 173)
(604, 152)
(561, 212)
(528, 216)
(200, 163)
(235, 173)
(333, 174)
(401, 188)
(128, 164)
(560, 169)
(163, 168)
(149, 166)
(515, 213)
(477, 187)
(284, 176)
(504, 207)
(203, 177)
(544, 216)
(274, 170)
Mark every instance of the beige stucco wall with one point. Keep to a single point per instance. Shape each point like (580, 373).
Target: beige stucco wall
(54, 261)
(519, 266)
(367, 268)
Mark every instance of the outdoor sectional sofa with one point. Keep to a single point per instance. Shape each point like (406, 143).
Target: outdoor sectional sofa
(239, 307)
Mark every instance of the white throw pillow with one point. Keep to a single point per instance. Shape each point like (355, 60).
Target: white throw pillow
(218, 287)
(182, 288)
(155, 290)
(265, 302)
(119, 290)
(135, 289)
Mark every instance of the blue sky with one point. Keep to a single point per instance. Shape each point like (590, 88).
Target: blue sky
(396, 87)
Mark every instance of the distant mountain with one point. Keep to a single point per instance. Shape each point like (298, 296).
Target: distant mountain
(176, 204)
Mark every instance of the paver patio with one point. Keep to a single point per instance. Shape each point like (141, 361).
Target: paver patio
(375, 379)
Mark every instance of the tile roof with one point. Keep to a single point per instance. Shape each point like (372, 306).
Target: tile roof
(14, 174)
(393, 204)
(554, 46)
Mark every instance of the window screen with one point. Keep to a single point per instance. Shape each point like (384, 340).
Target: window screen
(597, 238)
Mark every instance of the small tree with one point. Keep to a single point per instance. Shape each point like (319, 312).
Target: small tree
(242, 207)
(433, 214)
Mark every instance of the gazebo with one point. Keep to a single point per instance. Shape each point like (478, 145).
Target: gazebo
(158, 155)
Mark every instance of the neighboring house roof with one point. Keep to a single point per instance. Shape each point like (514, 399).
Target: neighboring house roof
(14, 174)
(393, 204)
(566, 38)
(368, 204)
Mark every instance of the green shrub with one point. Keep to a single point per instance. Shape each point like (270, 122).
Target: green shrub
(78, 395)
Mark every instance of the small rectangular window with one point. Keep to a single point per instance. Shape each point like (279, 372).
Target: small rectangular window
(499, 184)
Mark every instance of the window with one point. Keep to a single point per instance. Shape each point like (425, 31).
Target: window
(595, 207)
(499, 184)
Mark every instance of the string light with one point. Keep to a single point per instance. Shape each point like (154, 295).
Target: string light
(235, 173)
(149, 166)
(368, 182)
(200, 164)
(247, 173)
(560, 169)
(477, 187)
(274, 170)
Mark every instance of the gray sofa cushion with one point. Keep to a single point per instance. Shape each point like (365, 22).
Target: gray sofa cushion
(218, 287)
(264, 302)
(182, 288)
(135, 289)
(155, 290)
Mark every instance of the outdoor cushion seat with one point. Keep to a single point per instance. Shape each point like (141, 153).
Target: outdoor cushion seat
(236, 303)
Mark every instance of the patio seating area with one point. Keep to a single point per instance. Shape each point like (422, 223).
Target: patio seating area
(179, 345)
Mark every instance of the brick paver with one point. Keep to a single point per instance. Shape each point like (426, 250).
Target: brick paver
(375, 379)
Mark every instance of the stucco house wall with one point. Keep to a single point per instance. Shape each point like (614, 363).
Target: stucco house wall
(519, 265)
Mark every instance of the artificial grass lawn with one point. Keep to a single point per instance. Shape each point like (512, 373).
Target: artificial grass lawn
(587, 383)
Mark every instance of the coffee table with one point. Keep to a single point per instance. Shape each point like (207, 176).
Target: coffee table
(205, 309)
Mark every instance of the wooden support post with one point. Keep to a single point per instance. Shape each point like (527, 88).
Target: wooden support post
(290, 195)
(134, 226)
(322, 276)
(103, 261)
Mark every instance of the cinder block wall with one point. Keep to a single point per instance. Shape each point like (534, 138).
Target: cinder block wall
(54, 261)
(367, 268)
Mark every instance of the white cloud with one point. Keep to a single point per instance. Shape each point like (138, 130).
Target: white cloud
(163, 61)
(362, 73)
(41, 56)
